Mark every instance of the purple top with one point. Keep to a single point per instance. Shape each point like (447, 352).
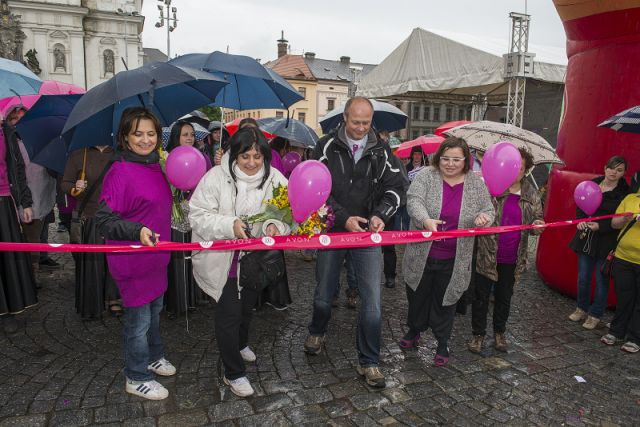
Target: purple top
(139, 193)
(276, 161)
(508, 243)
(450, 214)
(5, 189)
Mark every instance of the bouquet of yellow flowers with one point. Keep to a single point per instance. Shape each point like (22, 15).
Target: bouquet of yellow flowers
(279, 208)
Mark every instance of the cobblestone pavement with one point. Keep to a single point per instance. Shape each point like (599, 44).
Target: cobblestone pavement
(60, 370)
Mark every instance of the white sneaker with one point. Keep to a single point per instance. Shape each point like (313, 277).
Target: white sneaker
(240, 387)
(162, 367)
(151, 390)
(248, 355)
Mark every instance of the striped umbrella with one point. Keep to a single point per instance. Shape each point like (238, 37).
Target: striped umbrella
(483, 134)
(626, 121)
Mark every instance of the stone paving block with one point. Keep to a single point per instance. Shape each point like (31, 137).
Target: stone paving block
(369, 400)
(81, 417)
(27, 420)
(140, 422)
(196, 417)
(306, 414)
(281, 386)
(271, 402)
(410, 419)
(395, 395)
(275, 419)
(338, 408)
(119, 412)
(307, 397)
(362, 419)
(318, 380)
(41, 406)
(229, 410)
(340, 390)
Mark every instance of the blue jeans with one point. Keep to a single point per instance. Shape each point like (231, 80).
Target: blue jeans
(366, 263)
(586, 265)
(142, 340)
(352, 280)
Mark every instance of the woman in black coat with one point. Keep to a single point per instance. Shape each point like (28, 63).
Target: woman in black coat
(593, 241)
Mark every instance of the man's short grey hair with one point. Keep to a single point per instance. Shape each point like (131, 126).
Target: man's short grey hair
(356, 99)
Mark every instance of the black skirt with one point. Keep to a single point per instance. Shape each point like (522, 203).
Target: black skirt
(182, 292)
(17, 282)
(94, 284)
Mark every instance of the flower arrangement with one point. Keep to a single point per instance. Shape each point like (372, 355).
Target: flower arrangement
(279, 208)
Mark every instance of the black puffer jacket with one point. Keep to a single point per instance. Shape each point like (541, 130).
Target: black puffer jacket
(599, 243)
(374, 186)
(15, 167)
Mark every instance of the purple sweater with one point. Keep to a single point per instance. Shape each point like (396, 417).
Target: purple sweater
(276, 161)
(450, 214)
(508, 243)
(139, 193)
(5, 189)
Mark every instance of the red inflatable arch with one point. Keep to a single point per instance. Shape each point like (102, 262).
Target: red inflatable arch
(603, 78)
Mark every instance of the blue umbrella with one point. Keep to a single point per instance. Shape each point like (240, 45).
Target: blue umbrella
(385, 117)
(626, 121)
(168, 90)
(251, 85)
(17, 80)
(293, 130)
(53, 156)
(44, 122)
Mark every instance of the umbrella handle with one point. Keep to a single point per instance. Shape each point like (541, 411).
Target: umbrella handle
(74, 191)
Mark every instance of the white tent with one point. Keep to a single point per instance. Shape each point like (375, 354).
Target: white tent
(451, 63)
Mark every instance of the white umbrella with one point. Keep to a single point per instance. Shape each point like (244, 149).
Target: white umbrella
(483, 134)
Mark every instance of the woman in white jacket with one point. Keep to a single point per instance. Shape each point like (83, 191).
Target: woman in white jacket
(235, 189)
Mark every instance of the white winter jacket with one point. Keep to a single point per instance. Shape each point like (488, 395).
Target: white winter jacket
(212, 214)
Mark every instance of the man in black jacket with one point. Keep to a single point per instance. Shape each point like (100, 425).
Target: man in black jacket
(367, 189)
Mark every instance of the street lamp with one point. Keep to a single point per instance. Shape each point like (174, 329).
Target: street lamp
(169, 21)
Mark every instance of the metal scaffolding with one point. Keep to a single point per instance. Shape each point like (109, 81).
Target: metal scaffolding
(518, 65)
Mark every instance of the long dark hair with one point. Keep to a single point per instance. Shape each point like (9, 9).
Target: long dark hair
(176, 130)
(244, 140)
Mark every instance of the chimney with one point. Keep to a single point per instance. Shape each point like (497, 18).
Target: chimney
(309, 55)
(345, 60)
(282, 46)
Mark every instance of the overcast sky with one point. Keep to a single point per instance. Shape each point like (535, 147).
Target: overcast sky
(367, 31)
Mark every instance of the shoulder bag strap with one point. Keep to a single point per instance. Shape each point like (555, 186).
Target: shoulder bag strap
(627, 228)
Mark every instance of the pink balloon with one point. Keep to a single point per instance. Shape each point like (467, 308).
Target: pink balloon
(290, 161)
(185, 167)
(500, 167)
(309, 188)
(588, 196)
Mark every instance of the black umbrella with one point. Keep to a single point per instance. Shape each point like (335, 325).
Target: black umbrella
(291, 129)
(168, 90)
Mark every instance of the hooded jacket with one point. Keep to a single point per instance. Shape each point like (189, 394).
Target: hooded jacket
(374, 186)
(16, 169)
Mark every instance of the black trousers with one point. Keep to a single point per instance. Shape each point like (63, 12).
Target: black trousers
(503, 291)
(425, 303)
(626, 321)
(389, 253)
(232, 319)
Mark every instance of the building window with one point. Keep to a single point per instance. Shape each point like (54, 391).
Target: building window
(469, 113)
(449, 114)
(331, 104)
(302, 116)
(415, 133)
(426, 112)
(279, 114)
(303, 92)
(416, 112)
(436, 113)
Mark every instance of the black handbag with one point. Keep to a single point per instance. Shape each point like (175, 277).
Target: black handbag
(77, 221)
(607, 268)
(260, 269)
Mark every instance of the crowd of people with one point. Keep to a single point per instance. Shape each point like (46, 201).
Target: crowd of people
(121, 195)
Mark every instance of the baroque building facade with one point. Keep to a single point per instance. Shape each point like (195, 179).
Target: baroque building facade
(83, 42)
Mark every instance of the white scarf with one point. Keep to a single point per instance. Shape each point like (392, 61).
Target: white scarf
(249, 198)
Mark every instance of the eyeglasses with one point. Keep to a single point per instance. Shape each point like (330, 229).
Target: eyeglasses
(454, 160)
